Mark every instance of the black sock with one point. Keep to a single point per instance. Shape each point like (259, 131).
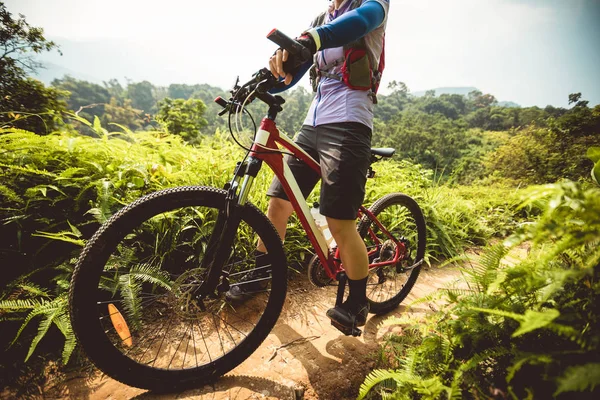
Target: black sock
(358, 291)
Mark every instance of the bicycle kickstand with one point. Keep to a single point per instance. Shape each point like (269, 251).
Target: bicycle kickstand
(350, 328)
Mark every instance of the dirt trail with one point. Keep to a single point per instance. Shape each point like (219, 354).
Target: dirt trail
(303, 353)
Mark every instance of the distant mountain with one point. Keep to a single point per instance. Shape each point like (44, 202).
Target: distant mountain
(101, 60)
(52, 71)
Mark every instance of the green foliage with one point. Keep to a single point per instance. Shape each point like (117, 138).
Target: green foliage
(593, 154)
(142, 96)
(537, 154)
(182, 117)
(36, 303)
(25, 103)
(18, 39)
(524, 329)
(89, 98)
(123, 115)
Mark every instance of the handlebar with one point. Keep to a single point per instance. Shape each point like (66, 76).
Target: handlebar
(263, 80)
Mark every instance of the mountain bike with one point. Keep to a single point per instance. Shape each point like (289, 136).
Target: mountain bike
(148, 297)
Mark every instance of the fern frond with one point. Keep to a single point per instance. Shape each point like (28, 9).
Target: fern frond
(10, 195)
(579, 378)
(396, 320)
(410, 362)
(533, 320)
(529, 321)
(64, 325)
(483, 272)
(130, 290)
(50, 313)
(566, 332)
(125, 129)
(19, 305)
(454, 392)
(33, 289)
(375, 377)
(527, 359)
(151, 274)
(28, 170)
(64, 236)
(431, 388)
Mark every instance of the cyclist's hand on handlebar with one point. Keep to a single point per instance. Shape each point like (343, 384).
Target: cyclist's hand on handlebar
(276, 65)
(284, 65)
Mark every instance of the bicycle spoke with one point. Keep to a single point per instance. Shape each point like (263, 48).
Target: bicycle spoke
(162, 342)
(186, 348)
(150, 273)
(205, 344)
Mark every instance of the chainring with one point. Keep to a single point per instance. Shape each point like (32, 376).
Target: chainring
(316, 273)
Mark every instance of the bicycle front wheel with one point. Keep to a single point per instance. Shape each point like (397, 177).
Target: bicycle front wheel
(401, 216)
(134, 293)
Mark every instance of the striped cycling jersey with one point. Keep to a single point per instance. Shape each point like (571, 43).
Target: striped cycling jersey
(334, 101)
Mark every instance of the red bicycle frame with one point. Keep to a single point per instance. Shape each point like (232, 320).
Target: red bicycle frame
(266, 147)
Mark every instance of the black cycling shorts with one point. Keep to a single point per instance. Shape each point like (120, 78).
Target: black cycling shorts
(343, 150)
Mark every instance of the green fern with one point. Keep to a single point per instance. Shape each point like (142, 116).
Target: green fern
(530, 321)
(376, 377)
(51, 312)
(580, 378)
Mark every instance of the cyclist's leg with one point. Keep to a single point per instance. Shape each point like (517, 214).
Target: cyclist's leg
(354, 257)
(280, 208)
(279, 212)
(352, 248)
(345, 150)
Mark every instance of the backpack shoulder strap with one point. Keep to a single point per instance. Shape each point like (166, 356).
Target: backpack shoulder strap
(320, 20)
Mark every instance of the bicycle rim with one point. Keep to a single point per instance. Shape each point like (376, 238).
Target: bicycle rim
(133, 300)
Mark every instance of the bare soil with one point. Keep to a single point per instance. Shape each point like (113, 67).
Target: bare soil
(304, 357)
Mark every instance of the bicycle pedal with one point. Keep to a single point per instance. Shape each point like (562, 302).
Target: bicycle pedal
(347, 330)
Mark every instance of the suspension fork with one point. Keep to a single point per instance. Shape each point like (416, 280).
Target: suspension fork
(221, 241)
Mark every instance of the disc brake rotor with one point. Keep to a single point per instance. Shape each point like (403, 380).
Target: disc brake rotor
(183, 294)
(317, 274)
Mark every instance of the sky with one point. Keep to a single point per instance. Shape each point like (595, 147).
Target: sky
(532, 52)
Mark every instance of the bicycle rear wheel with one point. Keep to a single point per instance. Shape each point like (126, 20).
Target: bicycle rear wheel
(133, 303)
(401, 216)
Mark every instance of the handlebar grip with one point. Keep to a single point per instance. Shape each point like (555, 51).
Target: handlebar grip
(221, 101)
(289, 44)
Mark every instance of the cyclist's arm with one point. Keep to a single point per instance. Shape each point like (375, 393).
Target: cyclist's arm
(349, 27)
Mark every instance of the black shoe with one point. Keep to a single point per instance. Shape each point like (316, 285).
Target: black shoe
(251, 283)
(348, 316)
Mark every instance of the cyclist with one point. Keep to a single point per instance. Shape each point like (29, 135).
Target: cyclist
(347, 41)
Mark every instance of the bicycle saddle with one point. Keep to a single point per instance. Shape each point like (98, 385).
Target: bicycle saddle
(383, 152)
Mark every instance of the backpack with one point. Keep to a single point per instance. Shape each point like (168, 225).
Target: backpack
(357, 66)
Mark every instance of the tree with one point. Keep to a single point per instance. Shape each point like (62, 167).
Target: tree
(124, 115)
(142, 96)
(115, 90)
(21, 97)
(17, 41)
(182, 117)
(84, 94)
